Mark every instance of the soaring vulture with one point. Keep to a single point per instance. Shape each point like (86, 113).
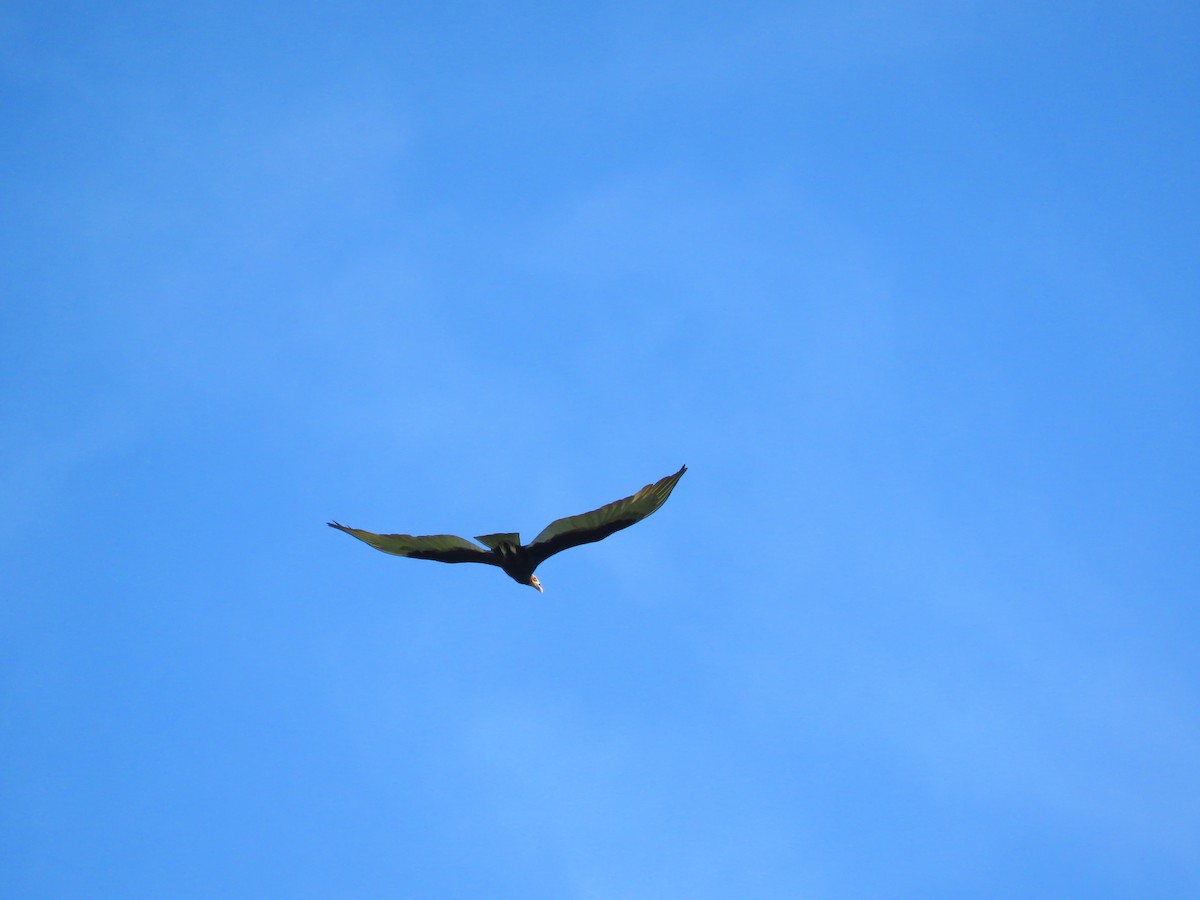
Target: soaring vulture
(506, 550)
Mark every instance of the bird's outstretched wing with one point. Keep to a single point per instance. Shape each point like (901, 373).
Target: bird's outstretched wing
(600, 523)
(445, 548)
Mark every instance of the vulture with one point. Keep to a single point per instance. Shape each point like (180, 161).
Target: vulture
(506, 550)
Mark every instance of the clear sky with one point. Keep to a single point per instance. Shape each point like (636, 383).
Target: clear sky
(911, 287)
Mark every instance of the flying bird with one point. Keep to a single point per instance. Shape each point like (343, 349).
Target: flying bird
(506, 550)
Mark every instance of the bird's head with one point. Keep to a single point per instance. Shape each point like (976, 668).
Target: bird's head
(533, 582)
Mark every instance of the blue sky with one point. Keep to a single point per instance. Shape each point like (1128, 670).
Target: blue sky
(910, 286)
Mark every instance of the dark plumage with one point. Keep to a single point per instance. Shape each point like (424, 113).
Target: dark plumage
(506, 550)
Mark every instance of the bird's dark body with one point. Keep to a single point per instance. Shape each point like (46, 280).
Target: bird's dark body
(516, 562)
(505, 550)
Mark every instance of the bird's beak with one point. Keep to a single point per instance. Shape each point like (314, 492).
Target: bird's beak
(537, 584)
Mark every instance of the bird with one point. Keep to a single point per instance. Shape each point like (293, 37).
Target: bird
(505, 549)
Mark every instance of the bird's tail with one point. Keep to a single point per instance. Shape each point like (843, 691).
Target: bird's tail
(497, 541)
